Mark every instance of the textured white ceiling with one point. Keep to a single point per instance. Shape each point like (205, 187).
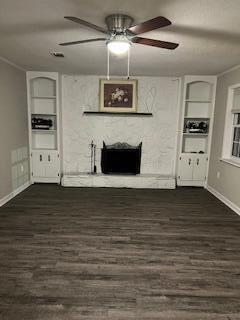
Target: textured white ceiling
(208, 32)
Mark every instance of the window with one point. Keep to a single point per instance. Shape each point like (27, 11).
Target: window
(236, 135)
(231, 145)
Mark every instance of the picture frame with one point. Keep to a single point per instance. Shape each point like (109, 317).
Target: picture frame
(118, 95)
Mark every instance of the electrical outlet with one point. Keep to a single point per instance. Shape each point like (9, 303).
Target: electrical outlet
(218, 174)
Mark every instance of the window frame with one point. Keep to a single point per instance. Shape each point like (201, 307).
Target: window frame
(233, 129)
(229, 128)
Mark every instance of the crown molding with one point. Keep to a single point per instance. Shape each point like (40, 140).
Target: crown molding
(228, 70)
(12, 64)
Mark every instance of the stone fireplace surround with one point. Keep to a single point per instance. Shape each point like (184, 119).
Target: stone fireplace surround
(158, 95)
(122, 179)
(130, 179)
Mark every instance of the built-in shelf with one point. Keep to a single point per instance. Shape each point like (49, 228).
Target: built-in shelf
(44, 130)
(147, 114)
(198, 100)
(193, 152)
(195, 134)
(43, 114)
(197, 118)
(44, 97)
(195, 140)
(45, 149)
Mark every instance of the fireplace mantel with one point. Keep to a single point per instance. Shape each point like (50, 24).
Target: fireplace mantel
(101, 113)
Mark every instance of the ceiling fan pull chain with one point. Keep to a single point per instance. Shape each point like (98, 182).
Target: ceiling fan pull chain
(108, 63)
(128, 63)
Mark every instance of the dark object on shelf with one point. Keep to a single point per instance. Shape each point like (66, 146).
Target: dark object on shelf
(196, 126)
(201, 152)
(121, 158)
(41, 123)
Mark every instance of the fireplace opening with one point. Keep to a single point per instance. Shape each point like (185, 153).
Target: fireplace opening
(121, 158)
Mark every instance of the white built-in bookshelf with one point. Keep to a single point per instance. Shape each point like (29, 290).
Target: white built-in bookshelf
(196, 129)
(43, 106)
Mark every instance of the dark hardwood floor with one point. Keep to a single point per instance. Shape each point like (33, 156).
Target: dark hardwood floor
(73, 253)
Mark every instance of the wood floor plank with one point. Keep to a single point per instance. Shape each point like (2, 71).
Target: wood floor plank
(83, 253)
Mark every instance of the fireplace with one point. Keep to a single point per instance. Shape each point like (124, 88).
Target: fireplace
(121, 158)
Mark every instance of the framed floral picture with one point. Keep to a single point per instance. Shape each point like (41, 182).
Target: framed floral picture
(118, 95)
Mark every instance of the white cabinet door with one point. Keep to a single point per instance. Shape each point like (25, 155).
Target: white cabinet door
(45, 164)
(185, 171)
(52, 164)
(200, 167)
(38, 164)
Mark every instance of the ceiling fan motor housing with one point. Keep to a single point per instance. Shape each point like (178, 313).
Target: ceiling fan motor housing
(118, 23)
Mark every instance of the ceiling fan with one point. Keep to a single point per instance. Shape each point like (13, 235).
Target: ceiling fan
(120, 32)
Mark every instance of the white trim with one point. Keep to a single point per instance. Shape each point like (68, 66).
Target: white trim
(12, 64)
(14, 193)
(226, 201)
(178, 104)
(213, 105)
(230, 161)
(60, 118)
(46, 179)
(191, 183)
(228, 70)
(229, 126)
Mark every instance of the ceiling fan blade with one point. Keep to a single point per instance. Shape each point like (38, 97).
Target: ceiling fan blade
(81, 41)
(155, 43)
(87, 24)
(149, 25)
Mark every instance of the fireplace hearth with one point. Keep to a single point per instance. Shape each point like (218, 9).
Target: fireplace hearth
(121, 158)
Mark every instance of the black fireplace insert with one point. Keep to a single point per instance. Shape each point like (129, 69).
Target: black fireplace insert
(121, 158)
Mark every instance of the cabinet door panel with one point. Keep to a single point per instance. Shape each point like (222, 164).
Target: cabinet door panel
(185, 171)
(38, 164)
(199, 168)
(52, 165)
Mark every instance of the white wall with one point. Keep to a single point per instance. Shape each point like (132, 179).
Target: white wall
(228, 183)
(13, 129)
(158, 95)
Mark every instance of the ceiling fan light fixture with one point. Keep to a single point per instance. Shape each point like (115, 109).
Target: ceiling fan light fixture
(119, 45)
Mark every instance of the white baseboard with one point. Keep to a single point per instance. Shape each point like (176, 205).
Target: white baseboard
(226, 201)
(14, 193)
